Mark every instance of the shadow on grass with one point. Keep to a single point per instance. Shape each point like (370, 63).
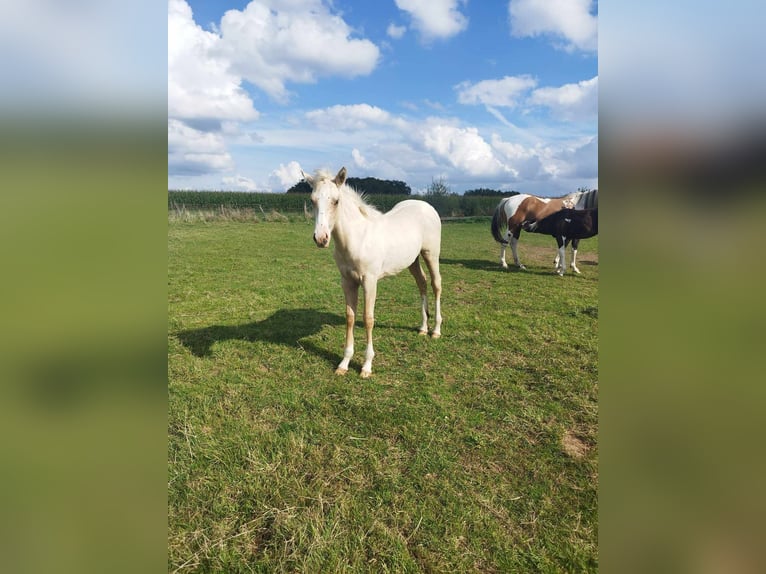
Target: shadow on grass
(494, 266)
(285, 327)
(477, 264)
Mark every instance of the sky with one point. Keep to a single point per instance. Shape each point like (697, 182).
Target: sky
(494, 94)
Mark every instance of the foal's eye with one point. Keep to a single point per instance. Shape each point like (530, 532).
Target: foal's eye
(334, 202)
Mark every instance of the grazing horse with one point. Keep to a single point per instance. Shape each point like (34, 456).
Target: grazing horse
(574, 224)
(512, 212)
(370, 245)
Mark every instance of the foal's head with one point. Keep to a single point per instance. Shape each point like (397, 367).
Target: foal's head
(325, 196)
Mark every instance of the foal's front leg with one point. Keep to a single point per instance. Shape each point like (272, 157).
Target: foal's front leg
(370, 291)
(562, 258)
(351, 291)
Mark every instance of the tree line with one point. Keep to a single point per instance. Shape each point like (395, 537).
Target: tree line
(369, 185)
(375, 186)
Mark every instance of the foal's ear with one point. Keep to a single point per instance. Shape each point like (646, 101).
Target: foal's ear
(308, 178)
(340, 179)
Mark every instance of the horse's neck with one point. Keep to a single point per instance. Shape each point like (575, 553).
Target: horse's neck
(349, 227)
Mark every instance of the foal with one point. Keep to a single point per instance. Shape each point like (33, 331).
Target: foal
(566, 224)
(370, 245)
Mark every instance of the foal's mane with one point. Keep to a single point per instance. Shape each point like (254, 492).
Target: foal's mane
(350, 196)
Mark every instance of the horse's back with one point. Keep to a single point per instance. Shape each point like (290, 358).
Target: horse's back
(416, 216)
(512, 203)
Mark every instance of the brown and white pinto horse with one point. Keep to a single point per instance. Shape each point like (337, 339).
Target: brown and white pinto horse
(513, 212)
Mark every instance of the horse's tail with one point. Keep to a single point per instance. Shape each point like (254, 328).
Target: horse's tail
(499, 223)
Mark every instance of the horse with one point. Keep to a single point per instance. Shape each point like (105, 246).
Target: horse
(370, 245)
(565, 224)
(512, 212)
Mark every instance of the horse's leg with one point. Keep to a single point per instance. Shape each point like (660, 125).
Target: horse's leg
(575, 244)
(351, 291)
(561, 242)
(370, 291)
(502, 249)
(420, 279)
(556, 259)
(432, 261)
(514, 243)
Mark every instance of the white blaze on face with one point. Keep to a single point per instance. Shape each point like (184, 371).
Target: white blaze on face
(325, 200)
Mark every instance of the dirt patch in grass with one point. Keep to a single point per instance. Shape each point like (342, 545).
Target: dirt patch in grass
(573, 446)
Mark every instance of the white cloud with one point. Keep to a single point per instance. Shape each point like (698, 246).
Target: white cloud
(193, 152)
(571, 101)
(505, 92)
(523, 162)
(240, 182)
(351, 117)
(272, 42)
(435, 19)
(463, 148)
(200, 84)
(286, 176)
(359, 160)
(395, 31)
(580, 159)
(571, 20)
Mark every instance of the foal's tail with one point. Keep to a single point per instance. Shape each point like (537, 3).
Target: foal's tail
(499, 223)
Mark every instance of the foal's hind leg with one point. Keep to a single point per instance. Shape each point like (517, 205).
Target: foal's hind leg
(420, 279)
(432, 261)
(575, 244)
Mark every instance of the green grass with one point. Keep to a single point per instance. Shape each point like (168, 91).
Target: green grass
(474, 452)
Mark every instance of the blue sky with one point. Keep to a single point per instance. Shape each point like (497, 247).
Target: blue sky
(499, 94)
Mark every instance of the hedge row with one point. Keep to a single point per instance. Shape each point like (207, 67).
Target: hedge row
(445, 205)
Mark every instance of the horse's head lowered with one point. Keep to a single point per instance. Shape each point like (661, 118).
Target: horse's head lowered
(325, 196)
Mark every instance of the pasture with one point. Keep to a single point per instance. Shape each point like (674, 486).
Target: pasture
(474, 452)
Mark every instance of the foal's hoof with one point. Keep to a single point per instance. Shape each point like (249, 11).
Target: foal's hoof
(365, 374)
(423, 332)
(436, 335)
(340, 371)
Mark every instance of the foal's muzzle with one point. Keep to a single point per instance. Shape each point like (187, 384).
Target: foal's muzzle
(322, 240)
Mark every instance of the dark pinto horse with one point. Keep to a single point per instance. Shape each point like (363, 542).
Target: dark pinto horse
(566, 224)
(512, 212)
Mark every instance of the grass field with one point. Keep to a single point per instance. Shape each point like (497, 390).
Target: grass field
(476, 452)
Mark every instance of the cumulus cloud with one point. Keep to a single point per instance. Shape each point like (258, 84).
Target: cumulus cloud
(350, 117)
(395, 31)
(580, 159)
(359, 159)
(463, 147)
(272, 42)
(571, 101)
(195, 152)
(570, 20)
(286, 176)
(200, 83)
(505, 92)
(435, 19)
(240, 182)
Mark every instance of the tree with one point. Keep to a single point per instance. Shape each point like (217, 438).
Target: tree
(438, 188)
(369, 185)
